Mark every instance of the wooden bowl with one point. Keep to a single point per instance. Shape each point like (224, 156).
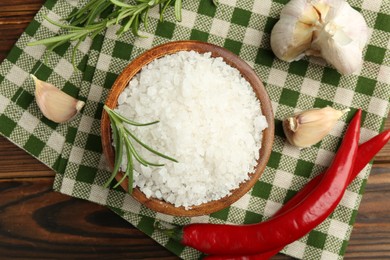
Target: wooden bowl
(246, 71)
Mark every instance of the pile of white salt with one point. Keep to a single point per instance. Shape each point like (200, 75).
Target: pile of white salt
(210, 121)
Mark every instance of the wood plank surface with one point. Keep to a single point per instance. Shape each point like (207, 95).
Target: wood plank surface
(384, 155)
(14, 163)
(36, 222)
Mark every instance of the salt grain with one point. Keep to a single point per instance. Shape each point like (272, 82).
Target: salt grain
(210, 121)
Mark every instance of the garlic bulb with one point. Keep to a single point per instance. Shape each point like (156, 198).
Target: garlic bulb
(331, 29)
(55, 104)
(307, 128)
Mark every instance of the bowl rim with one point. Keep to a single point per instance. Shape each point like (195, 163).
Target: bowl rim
(245, 70)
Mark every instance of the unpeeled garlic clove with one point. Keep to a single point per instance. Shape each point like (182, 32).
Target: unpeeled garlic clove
(307, 128)
(55, 104)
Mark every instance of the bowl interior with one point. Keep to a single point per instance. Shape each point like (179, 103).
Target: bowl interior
(246, 71)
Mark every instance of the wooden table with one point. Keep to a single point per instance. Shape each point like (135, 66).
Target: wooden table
(36, 222)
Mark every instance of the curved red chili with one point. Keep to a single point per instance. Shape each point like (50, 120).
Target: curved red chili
(287, 227)
(366, 152)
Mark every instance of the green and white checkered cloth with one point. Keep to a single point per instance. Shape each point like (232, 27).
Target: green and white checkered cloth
(74, 150)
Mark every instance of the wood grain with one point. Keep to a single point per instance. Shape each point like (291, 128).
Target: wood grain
(14, 163)
(371, 233)
(15, 15)
(36, 222)
(384, 155)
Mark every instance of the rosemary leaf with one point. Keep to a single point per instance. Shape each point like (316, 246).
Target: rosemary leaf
(85, 9)
(74, 54)
(131, 122)
(121, 4)
(178, 10)
(128, 170)
(95, 13)
(149, 148)
(61, 25)
(55, 39)
(145, 18)
(129, 173)
(125, 175)
(163, 7)
(134, 152)
(117, 129)
(138, 157)
(135, 26)
(127, 25)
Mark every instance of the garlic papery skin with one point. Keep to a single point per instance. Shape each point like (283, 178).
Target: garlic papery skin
(331, 29)
(307, 128)
(55, 104)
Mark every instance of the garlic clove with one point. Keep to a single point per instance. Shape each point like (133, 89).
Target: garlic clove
(55, 104)
(347, 58)
(290, 44)
(307, 128)
(302, 40)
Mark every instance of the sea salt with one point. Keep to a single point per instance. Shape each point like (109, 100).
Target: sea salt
(210, 121)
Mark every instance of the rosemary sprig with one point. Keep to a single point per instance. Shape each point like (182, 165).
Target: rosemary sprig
(123, 137)
(89, 21)
(97, 15)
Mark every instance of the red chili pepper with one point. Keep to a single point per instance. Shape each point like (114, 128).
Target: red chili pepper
(284, 229)
(366, 153)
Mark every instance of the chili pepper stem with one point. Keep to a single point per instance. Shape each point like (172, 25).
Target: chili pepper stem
(176, 233)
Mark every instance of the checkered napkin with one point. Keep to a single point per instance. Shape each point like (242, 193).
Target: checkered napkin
(73, 150)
